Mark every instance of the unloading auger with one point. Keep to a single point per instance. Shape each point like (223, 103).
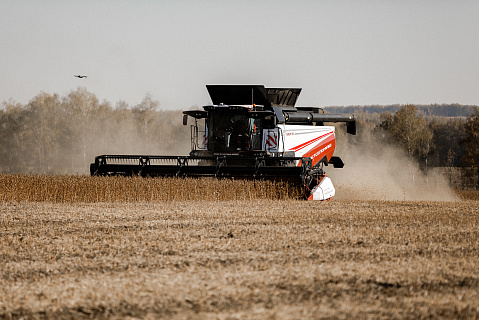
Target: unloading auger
(248, 132)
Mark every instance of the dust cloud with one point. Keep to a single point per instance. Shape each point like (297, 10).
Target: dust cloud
(374, 170)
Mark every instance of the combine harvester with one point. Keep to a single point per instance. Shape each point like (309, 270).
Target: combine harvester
(248, 132)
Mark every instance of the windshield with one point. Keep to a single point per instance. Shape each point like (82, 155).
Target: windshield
(230, 131)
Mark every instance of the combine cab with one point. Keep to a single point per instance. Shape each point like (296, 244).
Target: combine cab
(248, 132)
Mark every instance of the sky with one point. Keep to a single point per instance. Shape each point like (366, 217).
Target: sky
(341, 52)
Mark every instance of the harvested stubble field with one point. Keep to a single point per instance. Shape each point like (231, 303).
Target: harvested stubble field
(254, 258)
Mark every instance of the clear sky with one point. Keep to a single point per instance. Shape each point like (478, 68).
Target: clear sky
(340, 52)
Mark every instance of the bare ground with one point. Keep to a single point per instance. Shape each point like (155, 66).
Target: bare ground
(258, 259)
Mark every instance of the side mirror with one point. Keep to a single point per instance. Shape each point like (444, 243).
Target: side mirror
(351, 127)
(185, 119)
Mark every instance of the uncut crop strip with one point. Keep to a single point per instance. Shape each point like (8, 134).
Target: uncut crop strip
(69, 189)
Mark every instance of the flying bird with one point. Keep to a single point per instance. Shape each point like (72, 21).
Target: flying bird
(79, 76)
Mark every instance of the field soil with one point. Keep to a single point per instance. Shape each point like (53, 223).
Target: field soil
(256, 259)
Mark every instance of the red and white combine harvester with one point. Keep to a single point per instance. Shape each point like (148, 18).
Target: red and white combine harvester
(248, 132)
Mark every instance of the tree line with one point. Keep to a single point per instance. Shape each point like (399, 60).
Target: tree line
(434, 141)
(431, 141)
(62, 135)
(431, 110)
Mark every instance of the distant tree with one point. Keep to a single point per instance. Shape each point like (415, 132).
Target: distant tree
(471, 142)
(410, 130)
(447, 137)
(146, 116)
(386, 120)
(82, 107)
(43, 133)
(12, 125)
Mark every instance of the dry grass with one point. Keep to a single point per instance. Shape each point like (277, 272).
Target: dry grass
(254, 258)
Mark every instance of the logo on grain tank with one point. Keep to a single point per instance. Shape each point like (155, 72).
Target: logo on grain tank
(321, 151)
